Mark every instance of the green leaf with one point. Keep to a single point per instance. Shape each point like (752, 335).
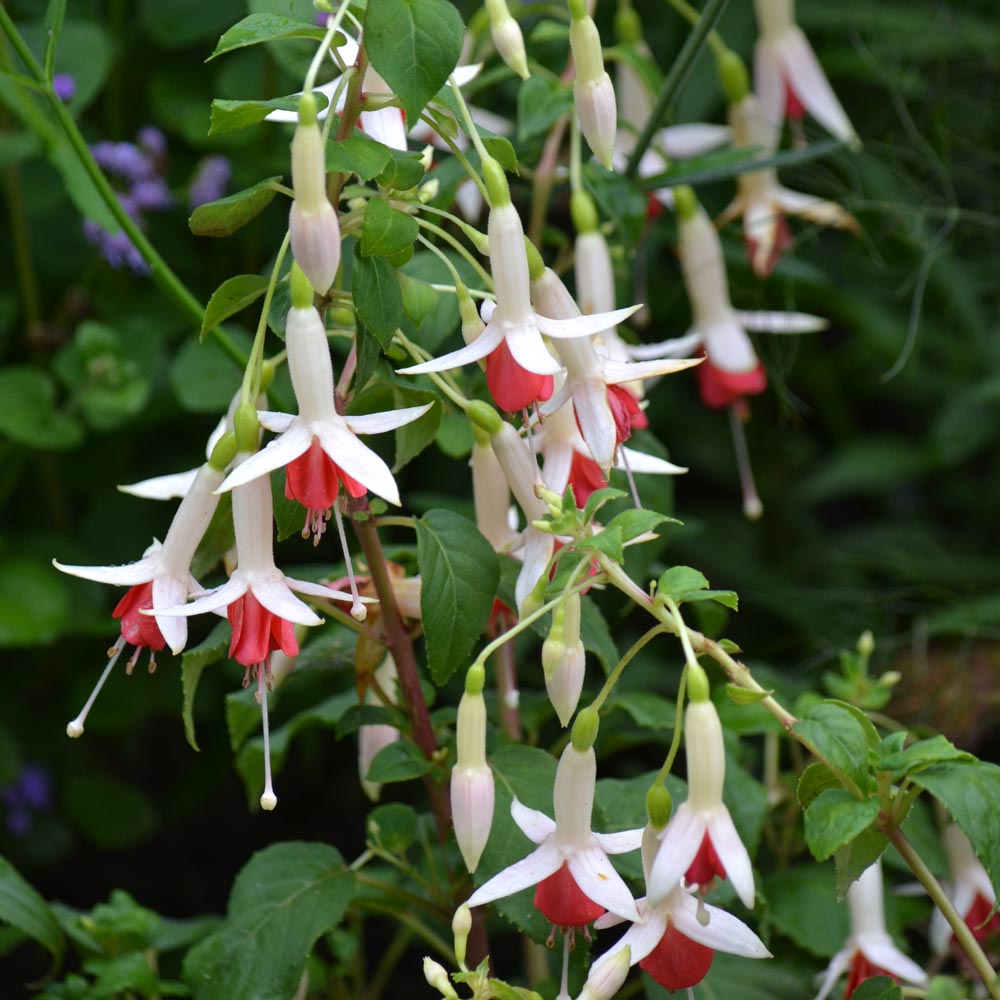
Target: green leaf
(203, 376)
(833, 733)
(414, 45)
(635, 522)
(684, 584)
(801, 904)
(919, 755)
(399, 761)
(233, 295)
(393, 826)
(213, 647)
(815, 780)
(419, 299)
(29, 415)
(651, 711)
(744, 696)
(126, 815)
(460, 572)
(608, 540)
(836, 817)
(878, 988)
(358, 154)
(540, 102)
(598, 499)
(231, 116)
(596, 636)
(257, 28)
(377, 296)
(386, 230)
(857, 856)
(969, 790)
(403, 171)
(225, 216)
(283, 899)
(22, 907)
(35, 601)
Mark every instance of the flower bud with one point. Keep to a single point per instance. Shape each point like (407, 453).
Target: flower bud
(698, 686)
(461, 927)
(507, 37)
(472, 324)
(247, 427)
(593, 92)
(472, 792)
(519, 468)
(437, 976)
(585, 730)
(564, 660)
(606, 978)
(312, 222)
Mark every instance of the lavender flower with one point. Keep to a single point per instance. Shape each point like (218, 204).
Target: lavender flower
(31, 792)
(209, 181)
(64, 85)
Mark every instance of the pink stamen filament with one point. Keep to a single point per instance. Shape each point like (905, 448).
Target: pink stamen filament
(268, 799)
(75, 728)
(752, 507)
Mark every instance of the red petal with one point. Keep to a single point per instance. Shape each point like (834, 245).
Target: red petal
(979, 921)
(584, 477)
(138, 629)
(257, 631)
(706, 865)
(720, 388)
(561, 901)
(794, 108)
(782, 241)
(677, 962)
(314, 479)
(626, 411)
(862, 969)
(512, 387)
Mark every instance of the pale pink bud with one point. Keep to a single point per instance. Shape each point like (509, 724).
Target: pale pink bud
(472, 791)
(564, 660)
(607, 978)
(593, 91)
(520, 470)
(507, 37)
(312, 222)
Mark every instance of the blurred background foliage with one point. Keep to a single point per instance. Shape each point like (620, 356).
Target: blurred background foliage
(873, 449)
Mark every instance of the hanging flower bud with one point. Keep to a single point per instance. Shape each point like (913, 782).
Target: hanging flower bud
(593, 91)
(312, 223)
(564, 659)
(507, 37)
(471, 778)
(373, 738)
(461, 927)
(606, 979)
(437, 976)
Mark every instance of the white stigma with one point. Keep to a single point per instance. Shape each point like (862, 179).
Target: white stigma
(268, 800)
(753, 509)
(358, 611)
(74, 730)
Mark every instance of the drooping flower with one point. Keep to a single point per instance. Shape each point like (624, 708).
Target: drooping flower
(787, 75)
(869, 951)
(472, 790)
(761, 200)
(519, 367)
(161, 578)
(700, 842)
(564, 659)
(593, 91)
(575, 880)
(507, 37)
(970, 892)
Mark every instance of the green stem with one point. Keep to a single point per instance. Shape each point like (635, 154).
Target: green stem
(575, 156)
(963, 935)
(418, 354)
(463, 250)
(715, 42)
(674, 78)
(622, 664)
(403, 917)
(317, 60)
(252, 375)
(675, 740)
(470, 125)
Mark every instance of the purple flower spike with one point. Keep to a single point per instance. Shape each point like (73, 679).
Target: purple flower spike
(210, 180)
(64, 85)
(152, 194)
(31, 792)
(153, 141)
(124, 159)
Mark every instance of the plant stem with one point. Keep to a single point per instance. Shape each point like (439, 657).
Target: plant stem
(622, 664)
(715, 42)
(544, 181)
(674, 78)
(737, 672)
(963, 935)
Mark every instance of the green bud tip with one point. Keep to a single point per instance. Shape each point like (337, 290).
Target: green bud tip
(496, 183)
(302, 293)
(584, 212)
(628, 26)
(866, 643)
(585, 729)
(224, 452)
(578, 9)
(341, 316)
(536, 266)
(481, 437)
(268, 370)
(247, 427)
(483, 415)
(685, 202)
(658, 806)
(307, 109)
(475, 678)
(697, 683)
(733, 76)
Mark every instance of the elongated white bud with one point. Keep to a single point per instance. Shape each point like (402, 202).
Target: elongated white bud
(593, 91)
(706, 755)
(312, 222)
(491, 496)
(507, 37)
(573, 795)
(520, 470)
(774, 17)
(472, 792)
(437, 976)
(564, 660)
(607, 978)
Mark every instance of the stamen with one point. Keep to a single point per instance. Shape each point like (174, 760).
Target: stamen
(527, 432)
(268, 800)
(75, 728)
(358, 611)
(567, 945)
(152, 661)
(753, 509)
(132, 660)
(704, 917)
(630, 477)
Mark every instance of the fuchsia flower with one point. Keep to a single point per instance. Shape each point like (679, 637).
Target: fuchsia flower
(869, 950)
(575, 882)
(787, 74)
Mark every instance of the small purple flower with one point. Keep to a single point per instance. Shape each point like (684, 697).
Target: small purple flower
(30, 793)
(210, 180)
(153, 141)
(124, 160)
(151, 195)
(64, 85)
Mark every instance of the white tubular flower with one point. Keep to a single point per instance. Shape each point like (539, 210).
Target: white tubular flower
(700, 841)
(312, 221)
(788, 76)
(491, 497)
(507, 37)
(375, 737)
(970, 892)
(472, 792)
(518, 366)
(869, 950)
(564, 659)
(605, 980)
(576, 881)
(319, 447)
(593, 91)
(732, 369)
(606, 411)
(761, 199)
